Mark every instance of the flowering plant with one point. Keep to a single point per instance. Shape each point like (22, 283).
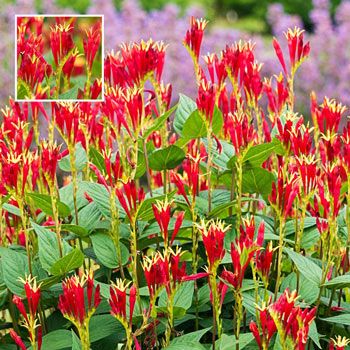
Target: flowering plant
(211, 223)
(49, 62)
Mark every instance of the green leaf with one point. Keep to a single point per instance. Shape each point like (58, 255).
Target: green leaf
(141, 165)
(220, 159)
(56, 340)
(178, 312)
(195, 125)
(43, 201)
(100, 197)
(343, 319)
(49, 252)
(76, 343)
(80, 159)
(313, 334)
(77, 230)
(166, 158)
(338, 282)
(183, 297)
(306, 267)
(12, 209)
(102, 326)
(257, 154)
(48, 282)
(158, 122)
(257, 180)
(308, 290)
(14, 265)
(77, 81)
(229, 342)
(88, 217)
(106, 252)
(71, 94)
(97, 159)
(66, 195)
(185, 345)
(68, 263)
(193, 336)
(184, 110)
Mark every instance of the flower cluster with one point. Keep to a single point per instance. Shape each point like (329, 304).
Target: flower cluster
(35, 73)
(198, 211)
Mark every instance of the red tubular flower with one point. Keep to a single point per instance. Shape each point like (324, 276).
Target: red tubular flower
(334, 182)
(166, 93)
(178, 223)
(267, 325)
(236, 59)
(134, 198)
(61, 41)
(48, 158)
(308, 173)
(139, 61)
(132, 301)
(328, 116)
(118, 300)
(245, 247)
(294, 321)
(32, 292)
(283, 195)
(277, 99)
(213, 235)
(247, 233)
(178, 273)
(157, 273)
(134, 105)
(100, 178)
(220, 71)
(301, 141)
(263, 262)
(194, 36)
(91, 44)
(72, 302)
(17, 339)
(68, 67)
(240, 132)
(339, 343)
(252, 82)
(279, 55)
(114, 171)
(176, 179)
(161, 212)
(206, 100)
(191, 169)
(20, 306)
(297, 50)
(66, 118)
(95, 89)
(33, 70)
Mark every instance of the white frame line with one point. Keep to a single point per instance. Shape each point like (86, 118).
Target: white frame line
(102, 56)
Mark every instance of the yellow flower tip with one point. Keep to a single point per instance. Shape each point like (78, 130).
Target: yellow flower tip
(341, 341)
(121, 285)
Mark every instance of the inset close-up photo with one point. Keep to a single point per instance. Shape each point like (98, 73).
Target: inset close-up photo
(59, 58)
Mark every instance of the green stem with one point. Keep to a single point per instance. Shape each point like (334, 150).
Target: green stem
(279, 259)
(148, 173)
(209, 168)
